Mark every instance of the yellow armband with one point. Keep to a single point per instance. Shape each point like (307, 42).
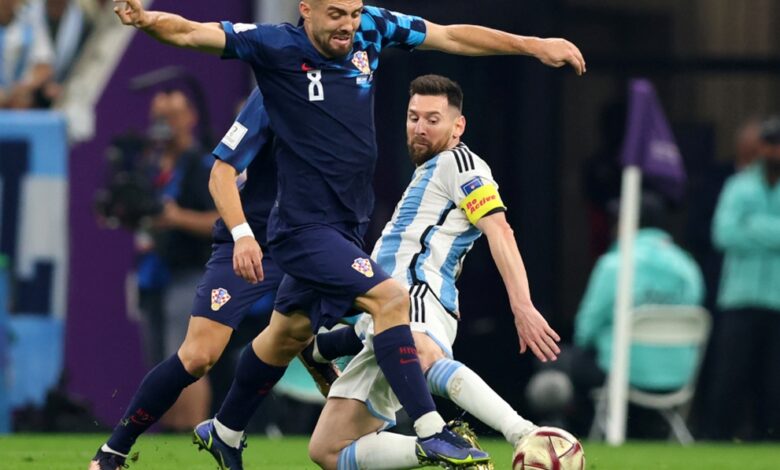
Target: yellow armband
(481, 201)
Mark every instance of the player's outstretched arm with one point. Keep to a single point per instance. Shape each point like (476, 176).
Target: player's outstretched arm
(532, 328)
(171, 29)
(247, 255)
(474, 40)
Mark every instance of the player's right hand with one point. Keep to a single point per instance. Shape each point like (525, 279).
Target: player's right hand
(248, 260)
(131, 12)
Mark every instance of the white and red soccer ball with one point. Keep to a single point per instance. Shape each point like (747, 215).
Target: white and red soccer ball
(548, 448)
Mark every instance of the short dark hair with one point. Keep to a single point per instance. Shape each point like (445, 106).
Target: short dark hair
(436, 85)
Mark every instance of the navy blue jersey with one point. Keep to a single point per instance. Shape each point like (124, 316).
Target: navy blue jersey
(322, 112)
(248, 146)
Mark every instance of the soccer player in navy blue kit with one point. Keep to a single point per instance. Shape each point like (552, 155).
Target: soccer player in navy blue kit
(231, 283)
(317, 79)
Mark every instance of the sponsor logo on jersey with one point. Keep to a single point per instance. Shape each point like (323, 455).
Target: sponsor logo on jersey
(306, 67)
(360, 60)
(219, 297)
(363, 266)
(471, 185)
(234, 135)
(473, 205)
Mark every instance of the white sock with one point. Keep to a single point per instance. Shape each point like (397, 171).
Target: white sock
(228, 436)
(105, 448)
(429, 424)
(455, 381)
(316, 353)
(379, 451)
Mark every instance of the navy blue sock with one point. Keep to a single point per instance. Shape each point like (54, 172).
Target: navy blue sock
(254, 379)
(397, 357)
(337, 343)
(156, 394)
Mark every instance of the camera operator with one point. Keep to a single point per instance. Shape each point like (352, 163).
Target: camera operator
(176, 244)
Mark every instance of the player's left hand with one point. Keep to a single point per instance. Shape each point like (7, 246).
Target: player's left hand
(248, 260)
(536, 334)
(557, 52)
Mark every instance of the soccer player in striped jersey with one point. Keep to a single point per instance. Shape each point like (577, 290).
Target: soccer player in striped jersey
(451, 201)
(318, 83)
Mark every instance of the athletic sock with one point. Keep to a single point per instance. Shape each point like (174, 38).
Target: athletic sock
(251, 384)
(453, 380)
(337, 343)
(397, 357)
(228, 436)
(156, 394)
(380, 451)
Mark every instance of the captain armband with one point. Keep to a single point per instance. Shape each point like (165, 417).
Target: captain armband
(480, 202)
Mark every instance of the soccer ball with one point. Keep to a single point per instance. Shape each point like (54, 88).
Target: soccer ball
(548, 448)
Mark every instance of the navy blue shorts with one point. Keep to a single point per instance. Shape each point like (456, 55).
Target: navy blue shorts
(224, 297)
(325, 270)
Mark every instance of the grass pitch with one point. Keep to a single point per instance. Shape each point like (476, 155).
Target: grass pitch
(166, 452)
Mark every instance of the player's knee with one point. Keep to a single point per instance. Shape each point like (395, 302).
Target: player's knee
(323, 454)
(428, 356)
(283, 345)
(394, 305)
(197, 361)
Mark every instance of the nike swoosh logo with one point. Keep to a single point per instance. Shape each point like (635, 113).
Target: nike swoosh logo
(306, 67)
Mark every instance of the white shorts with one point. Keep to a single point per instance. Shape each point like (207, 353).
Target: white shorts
(363, 379)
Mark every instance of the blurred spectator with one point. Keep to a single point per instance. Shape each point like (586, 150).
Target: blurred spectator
(26, 55)
(745, 380)
(664, 274)
(68, 26)
(747, 145)
(177, 247)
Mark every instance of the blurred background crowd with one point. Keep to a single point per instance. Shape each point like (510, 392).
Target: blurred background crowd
(105, 140)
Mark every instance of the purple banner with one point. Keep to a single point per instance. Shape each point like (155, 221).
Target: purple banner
(649, 142)
(104, 360)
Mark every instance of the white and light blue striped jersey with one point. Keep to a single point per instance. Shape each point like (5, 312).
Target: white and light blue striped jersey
(433, 226)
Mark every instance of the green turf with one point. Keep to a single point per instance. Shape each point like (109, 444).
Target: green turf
(166, 452)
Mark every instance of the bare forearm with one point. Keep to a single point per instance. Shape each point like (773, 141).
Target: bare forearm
(506, 255)
(477, 40)
(224, 191)
(174, 29)
(170, 28)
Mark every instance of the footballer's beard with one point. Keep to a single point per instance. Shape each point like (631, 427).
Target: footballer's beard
(341, 49)
(421, 150)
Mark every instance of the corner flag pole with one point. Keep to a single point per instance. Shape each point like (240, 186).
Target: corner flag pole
(624, 299)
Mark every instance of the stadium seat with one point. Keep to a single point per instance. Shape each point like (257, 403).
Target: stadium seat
(662, 326)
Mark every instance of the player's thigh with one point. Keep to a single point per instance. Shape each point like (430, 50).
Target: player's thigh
(341, 422)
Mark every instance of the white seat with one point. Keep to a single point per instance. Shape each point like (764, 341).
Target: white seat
(663, 325)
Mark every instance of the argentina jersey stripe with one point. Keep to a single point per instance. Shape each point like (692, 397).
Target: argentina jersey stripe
(448, 293)
(416, 271)
(407, 212)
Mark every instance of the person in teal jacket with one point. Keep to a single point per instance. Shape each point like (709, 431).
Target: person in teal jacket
(746, 349)
(664, 274)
